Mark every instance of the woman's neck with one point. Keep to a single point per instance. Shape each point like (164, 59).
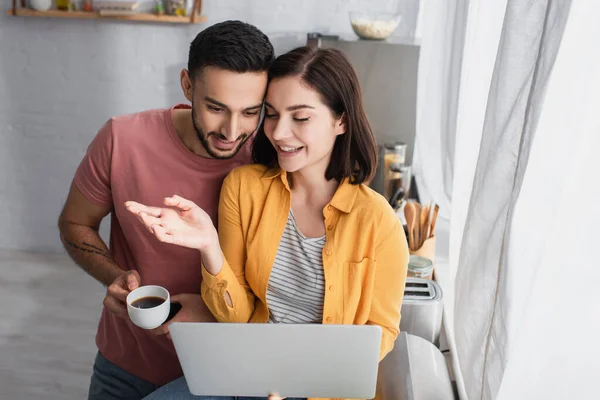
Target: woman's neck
(311, 187)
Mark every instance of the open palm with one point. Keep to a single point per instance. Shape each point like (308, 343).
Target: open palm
(182, 222)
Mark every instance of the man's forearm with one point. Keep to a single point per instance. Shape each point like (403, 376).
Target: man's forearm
(89, 251)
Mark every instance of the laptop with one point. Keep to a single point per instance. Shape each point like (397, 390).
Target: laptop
(293, 360)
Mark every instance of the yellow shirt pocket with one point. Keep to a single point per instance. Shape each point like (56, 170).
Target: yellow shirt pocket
(358, 279)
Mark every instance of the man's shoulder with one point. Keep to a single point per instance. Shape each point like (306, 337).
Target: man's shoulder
(141, 119)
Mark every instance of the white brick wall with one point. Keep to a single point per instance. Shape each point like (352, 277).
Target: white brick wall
(61, 79)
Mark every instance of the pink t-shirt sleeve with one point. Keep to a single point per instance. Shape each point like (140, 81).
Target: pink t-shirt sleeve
(92, 177)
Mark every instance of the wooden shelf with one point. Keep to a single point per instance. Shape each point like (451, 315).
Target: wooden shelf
(172, 19)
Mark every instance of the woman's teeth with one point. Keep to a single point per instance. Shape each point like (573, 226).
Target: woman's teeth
(289, 149)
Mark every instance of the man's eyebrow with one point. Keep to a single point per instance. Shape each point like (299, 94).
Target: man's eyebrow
(218, 103)
(215, 102)
(256, 107)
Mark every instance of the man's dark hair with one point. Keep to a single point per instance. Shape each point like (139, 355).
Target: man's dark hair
(231, 45)
(329, 72)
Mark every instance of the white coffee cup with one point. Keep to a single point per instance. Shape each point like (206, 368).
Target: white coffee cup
(149, 318)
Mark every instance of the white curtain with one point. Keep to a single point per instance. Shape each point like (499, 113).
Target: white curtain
(525, 198)
(442, 26)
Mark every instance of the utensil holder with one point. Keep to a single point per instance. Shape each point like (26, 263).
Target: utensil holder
(427, 250)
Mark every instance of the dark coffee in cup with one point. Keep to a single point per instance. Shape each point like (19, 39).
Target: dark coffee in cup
(148, 302)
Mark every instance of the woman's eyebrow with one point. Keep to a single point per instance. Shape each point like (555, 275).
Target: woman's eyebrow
(292, 108)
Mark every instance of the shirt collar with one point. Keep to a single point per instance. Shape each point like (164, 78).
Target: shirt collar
(344, 196)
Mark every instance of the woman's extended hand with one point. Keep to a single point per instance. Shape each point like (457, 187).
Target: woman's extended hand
(183, 223)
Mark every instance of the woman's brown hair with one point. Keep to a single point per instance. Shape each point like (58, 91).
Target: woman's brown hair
(329, 72)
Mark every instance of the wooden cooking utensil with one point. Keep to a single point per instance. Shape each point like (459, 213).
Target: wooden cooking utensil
(424, 224)
(434, 219)
(417, 226)
(409, 214)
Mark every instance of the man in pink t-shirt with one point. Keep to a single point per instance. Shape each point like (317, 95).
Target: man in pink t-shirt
(145, 157)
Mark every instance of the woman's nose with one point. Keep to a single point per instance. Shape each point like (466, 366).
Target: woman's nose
(281, 130)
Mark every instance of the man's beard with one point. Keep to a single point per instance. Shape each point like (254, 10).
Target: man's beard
(203, 138)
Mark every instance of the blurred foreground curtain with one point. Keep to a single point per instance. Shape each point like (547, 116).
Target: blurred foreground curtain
(525, 195)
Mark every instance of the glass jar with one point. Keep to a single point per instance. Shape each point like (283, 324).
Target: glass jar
(64, 5)
(420, 267)
(394, 159)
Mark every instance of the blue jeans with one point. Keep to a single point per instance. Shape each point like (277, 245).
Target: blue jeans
(110, 382)
(178, 390)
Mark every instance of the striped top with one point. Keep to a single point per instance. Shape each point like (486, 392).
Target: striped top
(296, 287)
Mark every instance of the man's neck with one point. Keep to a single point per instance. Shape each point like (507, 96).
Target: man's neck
(184, 126)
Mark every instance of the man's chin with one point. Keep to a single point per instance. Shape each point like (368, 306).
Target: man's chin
(223, 154)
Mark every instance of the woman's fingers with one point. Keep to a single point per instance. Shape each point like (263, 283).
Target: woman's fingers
(180, 202)
(149, 216)
(149, 221)
(137, 208)
(165, 236)
(161, 234)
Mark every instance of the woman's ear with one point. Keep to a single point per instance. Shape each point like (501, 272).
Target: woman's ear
(340, 125)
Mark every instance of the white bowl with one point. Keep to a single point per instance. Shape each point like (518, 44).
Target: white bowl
(374, 26)
(40, 5)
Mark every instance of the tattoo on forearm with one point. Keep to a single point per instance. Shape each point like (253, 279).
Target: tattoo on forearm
(89, 248)
(93, 247)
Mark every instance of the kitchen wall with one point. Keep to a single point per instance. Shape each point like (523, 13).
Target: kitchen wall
(61, 79)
